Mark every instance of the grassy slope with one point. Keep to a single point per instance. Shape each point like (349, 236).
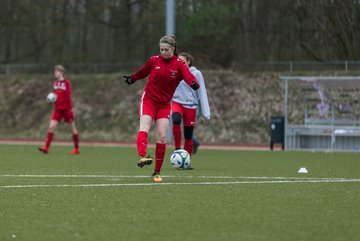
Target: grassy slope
(106, 109)
(247, 211)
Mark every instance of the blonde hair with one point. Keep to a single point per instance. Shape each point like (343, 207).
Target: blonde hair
(167, 39)
(60, 68)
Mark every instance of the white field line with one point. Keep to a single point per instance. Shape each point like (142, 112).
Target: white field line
(166, 176)
(70, 176)
(177, 184)
(257, 180)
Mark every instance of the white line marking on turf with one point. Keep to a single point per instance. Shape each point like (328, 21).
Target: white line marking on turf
(256, 180)
(70, 176)
(168, 176)
(183, 183)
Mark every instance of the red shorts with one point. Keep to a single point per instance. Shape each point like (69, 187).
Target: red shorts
(68, 115)
(154, 109)
(188, 114)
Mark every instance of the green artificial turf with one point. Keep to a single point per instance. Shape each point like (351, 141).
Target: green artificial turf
(230, 195)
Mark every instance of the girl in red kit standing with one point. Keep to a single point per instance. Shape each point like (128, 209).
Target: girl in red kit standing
(62, 110)
(165, 72)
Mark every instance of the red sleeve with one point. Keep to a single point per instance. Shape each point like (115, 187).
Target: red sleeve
(188, 77)
(143, 71)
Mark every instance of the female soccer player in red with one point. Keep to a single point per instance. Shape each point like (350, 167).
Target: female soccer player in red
(185, 104)
(165, 72)
(62, 110)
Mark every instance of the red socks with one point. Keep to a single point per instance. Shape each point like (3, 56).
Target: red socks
(159, 155)
(142, 143)
(76, 140)
(50, 136)
(188, 146)
(177, 135)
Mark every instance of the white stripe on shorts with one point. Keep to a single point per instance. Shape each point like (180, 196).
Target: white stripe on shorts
(141, 103)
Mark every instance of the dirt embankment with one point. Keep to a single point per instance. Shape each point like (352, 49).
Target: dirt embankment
(106, 109)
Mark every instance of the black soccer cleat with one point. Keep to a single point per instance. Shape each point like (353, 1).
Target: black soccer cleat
(196, 145)
(144, 160)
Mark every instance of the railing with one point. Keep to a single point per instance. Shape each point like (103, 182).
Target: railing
(73, 68)
(330, 138)
(278, 66)
(293, 66)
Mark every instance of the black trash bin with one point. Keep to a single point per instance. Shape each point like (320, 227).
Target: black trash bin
(277, 128)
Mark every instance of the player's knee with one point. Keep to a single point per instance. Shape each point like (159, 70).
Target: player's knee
(176, 118)
(52, 127)
(73, 127)
(144, 126)
(74, 131)
(188, 132)
(161, 139)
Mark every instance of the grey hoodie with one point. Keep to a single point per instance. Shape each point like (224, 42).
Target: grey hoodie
(190, 98)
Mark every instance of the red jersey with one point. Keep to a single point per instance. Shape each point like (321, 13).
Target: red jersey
(164, 76)
(62, 89)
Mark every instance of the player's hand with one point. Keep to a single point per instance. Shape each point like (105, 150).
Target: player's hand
(194, 85)
(128, 80)
(202, 120)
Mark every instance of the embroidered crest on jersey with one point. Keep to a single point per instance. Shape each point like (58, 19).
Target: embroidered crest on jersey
(60, 85)
(173, 73)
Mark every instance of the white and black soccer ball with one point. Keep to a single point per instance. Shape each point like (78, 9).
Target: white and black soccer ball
(51, 97)
(180, 159)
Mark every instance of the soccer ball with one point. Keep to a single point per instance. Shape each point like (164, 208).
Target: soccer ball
(51, 97)
(180, 159)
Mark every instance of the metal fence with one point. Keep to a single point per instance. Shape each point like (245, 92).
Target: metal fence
(331, 113)
(73, 68)
(296, 66)
(278, 66)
